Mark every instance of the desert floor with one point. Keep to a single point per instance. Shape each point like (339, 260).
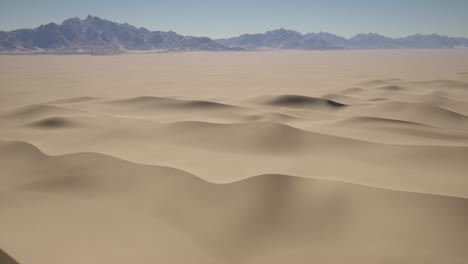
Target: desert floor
(236, 157)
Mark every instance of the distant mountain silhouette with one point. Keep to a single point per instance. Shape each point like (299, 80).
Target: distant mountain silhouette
(277, 39)
(289, 39)
(99, 35)
(96, 35)
(371, 41)
(431, 41)
(333, 40)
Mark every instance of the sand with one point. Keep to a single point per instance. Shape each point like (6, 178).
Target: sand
(235, 157)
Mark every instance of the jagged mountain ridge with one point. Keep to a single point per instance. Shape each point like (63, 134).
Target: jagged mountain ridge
(96, 34)
(277, 39)
(290, 39)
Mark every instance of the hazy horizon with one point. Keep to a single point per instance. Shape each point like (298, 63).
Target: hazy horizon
(221, 19)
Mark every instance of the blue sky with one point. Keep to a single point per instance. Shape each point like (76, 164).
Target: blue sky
(231, 18)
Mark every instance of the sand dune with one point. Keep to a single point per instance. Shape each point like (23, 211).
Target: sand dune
(214, 151)
(342, 98)
(442, 84)
(421, 113)
(444, 102)
(74, 100)
(352, 90)
(35, 111)
(263, 157)
(164, 102)
(383, 130)
(276, 214)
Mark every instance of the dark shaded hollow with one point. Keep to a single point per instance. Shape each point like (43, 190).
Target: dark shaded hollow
(299, 100)
(6, 259)
(52, 122)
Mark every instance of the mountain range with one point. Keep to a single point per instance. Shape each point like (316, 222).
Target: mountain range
(290, 39)
(94, 34)
(101, 36)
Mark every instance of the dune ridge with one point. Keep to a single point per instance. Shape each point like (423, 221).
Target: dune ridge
(152, 101)
(368, 140)
(11, 150)
(284, 207)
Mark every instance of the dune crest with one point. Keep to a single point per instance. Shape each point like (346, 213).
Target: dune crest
(274, 212)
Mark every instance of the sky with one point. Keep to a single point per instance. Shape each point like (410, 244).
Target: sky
(218, 19)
